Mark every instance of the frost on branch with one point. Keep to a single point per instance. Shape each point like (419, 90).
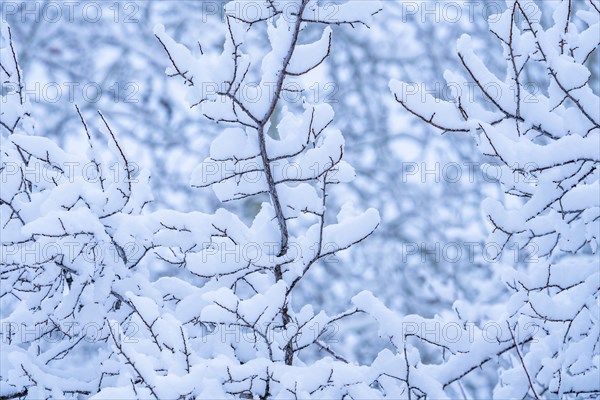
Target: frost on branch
(544, 144)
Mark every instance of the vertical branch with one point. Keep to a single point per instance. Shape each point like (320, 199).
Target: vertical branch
(261, 137)
(14, 54)
(118, 148)
(515, 70)
(522, 362)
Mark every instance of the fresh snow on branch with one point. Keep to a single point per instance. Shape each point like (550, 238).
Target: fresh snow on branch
(545, 145)
(106, 292)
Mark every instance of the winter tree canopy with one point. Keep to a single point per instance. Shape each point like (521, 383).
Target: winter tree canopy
(300, 199)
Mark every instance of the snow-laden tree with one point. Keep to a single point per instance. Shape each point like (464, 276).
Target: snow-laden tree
(543, 142)
(406, 170)
(63, 264)
(103, 55)
(118, 64)
(227, 325)
(144, 107)
(86, 313)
